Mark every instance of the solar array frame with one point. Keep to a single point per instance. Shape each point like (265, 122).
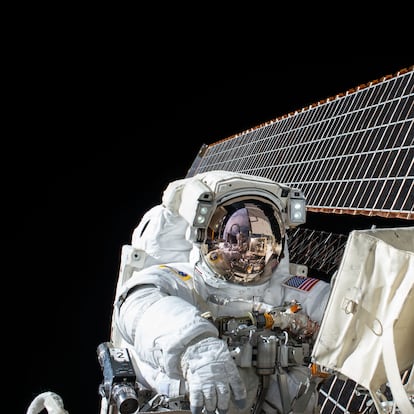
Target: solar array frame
(352, 153)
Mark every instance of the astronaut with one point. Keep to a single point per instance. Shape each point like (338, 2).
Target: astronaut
(206, 302)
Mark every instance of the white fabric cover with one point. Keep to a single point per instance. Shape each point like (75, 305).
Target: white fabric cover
(367, 333)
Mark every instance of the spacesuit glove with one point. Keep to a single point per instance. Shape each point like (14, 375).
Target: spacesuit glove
(212, 377)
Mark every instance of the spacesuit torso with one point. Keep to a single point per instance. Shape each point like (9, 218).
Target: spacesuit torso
(181, 315)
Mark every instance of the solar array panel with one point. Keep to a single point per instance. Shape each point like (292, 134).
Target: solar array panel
(352, 153)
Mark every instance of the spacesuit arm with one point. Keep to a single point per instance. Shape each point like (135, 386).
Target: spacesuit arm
(161, 326)
(158, 316)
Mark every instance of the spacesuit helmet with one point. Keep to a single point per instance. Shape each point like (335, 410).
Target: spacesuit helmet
(244, 240)
(237, 224)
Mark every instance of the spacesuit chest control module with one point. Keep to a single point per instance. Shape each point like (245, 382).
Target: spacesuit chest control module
(207, 316)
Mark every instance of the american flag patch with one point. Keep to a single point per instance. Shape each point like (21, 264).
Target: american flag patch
(301, 282)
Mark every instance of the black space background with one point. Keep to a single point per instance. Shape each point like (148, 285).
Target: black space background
(90, 149)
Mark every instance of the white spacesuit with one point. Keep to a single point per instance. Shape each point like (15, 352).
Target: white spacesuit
(207, 306)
